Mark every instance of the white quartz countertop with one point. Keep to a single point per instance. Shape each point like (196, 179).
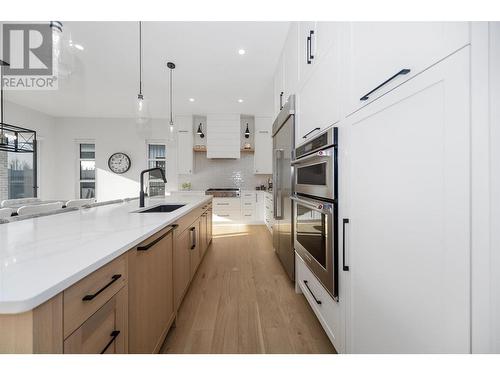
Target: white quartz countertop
(41, 257)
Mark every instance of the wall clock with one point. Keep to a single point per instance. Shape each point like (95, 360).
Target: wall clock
(119, 162)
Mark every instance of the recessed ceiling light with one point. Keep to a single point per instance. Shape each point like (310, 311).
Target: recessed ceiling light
(79, 47)
(191, 99)
(240, 100)
(242, 51)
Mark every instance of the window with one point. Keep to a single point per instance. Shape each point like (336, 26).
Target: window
(86, 163)
(156, 158)
(21, 175)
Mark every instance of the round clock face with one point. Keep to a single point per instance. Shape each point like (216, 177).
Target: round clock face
(119, 162)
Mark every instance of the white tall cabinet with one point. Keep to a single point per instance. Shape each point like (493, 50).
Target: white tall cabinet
(404, 176)
(184, 144)
(408, 234)
(263, 146)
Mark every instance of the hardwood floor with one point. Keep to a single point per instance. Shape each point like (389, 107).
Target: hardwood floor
(241, 301)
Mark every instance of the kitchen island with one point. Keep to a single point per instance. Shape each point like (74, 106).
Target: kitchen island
(59, 272)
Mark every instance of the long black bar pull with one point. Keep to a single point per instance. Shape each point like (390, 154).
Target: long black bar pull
(113, 335)
(312, 294)
(90, 297)
(344, 222)
(402, 72)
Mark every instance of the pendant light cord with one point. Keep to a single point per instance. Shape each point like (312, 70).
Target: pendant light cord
(171, 99)
(140, 58)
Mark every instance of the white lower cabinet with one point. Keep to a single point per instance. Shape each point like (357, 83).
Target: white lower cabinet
(247, 209)
(408, 236)
(326, 309)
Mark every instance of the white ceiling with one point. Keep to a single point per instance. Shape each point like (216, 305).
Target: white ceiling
(209, 69)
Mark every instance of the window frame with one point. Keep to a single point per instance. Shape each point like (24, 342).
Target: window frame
(155, 142)
(78, 144)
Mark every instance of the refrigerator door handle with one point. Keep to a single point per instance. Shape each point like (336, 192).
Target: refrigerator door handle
(277, 194)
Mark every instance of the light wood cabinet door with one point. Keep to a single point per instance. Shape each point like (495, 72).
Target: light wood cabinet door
(150, 292)
(209, 224)
(203, 234)
(105, 332)
(408, 235)
(194, 248)
(182, 265)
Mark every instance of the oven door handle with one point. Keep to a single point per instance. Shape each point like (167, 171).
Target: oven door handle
(312, 206)
(277, 193)
(318, 154)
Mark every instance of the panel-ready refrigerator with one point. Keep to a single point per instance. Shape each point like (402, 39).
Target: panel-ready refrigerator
(283, 146)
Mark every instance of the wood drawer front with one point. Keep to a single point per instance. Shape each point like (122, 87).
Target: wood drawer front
(76, 309)
(105, 332)
(327, 311)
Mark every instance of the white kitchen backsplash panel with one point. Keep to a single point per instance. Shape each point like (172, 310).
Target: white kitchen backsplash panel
(221, 173)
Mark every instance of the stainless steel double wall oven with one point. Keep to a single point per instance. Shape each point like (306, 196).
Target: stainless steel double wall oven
(316, 207)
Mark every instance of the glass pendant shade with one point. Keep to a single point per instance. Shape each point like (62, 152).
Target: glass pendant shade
(247, 132)
(62, 52)
(142, 115)
(172, 132)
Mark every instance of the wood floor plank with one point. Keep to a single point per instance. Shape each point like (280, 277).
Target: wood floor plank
(241, 301)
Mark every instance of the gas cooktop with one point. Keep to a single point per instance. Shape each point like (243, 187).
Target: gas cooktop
(223, 192)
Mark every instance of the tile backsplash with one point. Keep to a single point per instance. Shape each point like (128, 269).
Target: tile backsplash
(223, 173)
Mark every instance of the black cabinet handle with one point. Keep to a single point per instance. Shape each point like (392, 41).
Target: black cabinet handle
(312, 294)
(402, 72)
(314, 130)
(344, 222)
(308, 49)
(311, 56)
(114, 335)
(281, 100)
(152, 243)
(193, 237)
(90, 297)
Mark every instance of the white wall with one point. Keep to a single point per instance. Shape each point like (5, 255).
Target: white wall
(110, 135)
(44, 125)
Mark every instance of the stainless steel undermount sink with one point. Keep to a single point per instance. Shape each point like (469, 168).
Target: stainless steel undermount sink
(161, 208)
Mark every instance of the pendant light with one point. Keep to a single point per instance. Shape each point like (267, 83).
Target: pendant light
(142, 105)
(200, 131)
(171, 128)
(247, 132)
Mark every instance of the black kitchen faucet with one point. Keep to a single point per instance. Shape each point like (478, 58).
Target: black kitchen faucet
(141, 194)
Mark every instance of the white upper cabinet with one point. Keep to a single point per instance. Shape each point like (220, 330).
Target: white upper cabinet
(279, 87)
(223, 136)
(184, 144)
(307, 43)
(385, 54)
(263, 146)
(291, 62)
(318, 102)
(408, 236)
